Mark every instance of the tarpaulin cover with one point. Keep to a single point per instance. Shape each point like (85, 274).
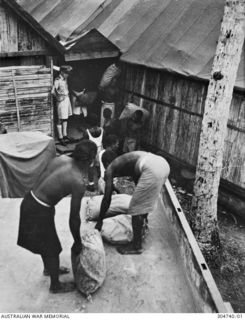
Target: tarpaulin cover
(174, 35)
(23, 157)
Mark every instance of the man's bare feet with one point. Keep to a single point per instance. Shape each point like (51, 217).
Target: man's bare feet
(129, 249)
(62, 287)
(62, 270)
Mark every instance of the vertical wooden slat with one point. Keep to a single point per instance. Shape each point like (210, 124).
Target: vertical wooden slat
(16, 102)
(142, 89)
(173, 128)
(51, 98)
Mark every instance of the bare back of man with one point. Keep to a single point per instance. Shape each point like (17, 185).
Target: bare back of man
(61, 178)
(127, 165)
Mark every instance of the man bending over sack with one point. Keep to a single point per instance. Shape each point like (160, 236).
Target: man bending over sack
(149, 173)
(37, 233)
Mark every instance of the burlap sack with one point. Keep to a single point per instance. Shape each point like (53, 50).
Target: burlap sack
(111, 72)
(129, 110)
(118, 230)
(119, 205)
(89, 267)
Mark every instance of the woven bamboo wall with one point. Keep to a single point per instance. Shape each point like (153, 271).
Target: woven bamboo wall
(25, 99)
(176, 105)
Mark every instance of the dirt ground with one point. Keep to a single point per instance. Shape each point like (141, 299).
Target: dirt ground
(230, 277)
(151, 282)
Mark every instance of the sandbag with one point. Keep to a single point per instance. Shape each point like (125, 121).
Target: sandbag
(89, 267)
(111, 72)
(130, 108)
(117, 230)
(119, 205)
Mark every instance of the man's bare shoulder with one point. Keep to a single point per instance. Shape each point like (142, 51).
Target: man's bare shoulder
(61, 161)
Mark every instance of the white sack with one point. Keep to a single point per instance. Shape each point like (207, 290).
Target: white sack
(119, 205)
(89, 267)
(118, 230)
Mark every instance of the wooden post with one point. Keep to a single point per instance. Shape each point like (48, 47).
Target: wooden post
(142, 89)
(16, 102)
(214, 129)
(51, 98)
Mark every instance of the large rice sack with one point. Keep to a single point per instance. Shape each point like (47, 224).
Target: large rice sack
(129, 110)
(89, 267)
(119, 205)
(111, 72)
(117, 230)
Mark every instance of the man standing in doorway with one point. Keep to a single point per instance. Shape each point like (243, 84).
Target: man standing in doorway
(61, 93)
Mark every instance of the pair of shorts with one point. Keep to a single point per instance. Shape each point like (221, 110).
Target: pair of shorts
(64, 109)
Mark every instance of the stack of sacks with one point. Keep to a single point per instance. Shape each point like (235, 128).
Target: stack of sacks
(89, 267)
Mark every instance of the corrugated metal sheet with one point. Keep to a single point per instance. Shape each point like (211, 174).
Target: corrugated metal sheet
(177, 35)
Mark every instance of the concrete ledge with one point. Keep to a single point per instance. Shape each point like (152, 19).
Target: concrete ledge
(201, 280)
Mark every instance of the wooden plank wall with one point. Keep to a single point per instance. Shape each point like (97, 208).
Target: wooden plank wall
(176, 105)
(16, 35)
(33, 87)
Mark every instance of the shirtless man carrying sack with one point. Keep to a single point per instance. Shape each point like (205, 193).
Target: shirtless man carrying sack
(64, 176)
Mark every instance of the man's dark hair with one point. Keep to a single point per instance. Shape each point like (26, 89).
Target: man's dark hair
(85, 151)
(3, 130)
(110, 140)
(93, 120)
(138, 115)
(108, 157)
(107, 113)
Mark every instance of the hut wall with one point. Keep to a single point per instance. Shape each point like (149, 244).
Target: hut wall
(176, 104)
(25, 75)
(17, 37)
(25, 98)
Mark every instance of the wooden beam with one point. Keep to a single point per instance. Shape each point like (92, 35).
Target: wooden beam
(16, 101)
(163, 103)
(25, 53)
(72, 56)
